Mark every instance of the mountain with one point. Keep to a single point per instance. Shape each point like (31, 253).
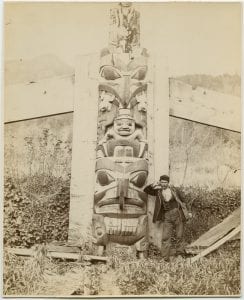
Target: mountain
(44, 66)
(227, 84)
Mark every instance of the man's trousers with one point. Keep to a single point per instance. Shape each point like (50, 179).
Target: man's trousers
(173, 219)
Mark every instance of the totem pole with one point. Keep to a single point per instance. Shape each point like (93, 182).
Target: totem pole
(120, 205)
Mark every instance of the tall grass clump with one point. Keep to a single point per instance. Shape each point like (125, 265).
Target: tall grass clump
(218, 274)
(22, 276)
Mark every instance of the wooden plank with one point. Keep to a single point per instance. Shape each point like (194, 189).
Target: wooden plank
(72, 256)
(45, 97)
(94, 257)
(64, 249)
(20, 251)
(197, 250)
(57, 254)
(157, 133)
(161, 117)
(31, 252)
(217, 232)
(217, 244)
(236, 237)
(55, 95)
(205, 106)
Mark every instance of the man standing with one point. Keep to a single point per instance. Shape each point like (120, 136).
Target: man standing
(171, 209)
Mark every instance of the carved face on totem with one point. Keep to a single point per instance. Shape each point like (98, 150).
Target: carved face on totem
(124, 126)
(123, 85)
(106, 101)
(123, 81)
(119, 187)
(120, 205)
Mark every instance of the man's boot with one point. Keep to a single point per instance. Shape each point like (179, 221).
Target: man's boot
(180, 248)
(165, 250)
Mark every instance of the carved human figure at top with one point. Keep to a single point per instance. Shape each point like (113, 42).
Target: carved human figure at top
(128, 139)
(125, 28)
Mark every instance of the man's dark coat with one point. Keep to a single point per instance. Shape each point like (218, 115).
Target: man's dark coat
(158, 214)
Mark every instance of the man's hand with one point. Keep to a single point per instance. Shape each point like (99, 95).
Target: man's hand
(190, 215)
(156, 185)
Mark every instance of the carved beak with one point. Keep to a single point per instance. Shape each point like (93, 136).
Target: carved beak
(122, 191)
(126, 91)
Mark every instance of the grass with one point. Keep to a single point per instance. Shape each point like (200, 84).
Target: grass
(216, 274)
(27, 276)
(22, 276)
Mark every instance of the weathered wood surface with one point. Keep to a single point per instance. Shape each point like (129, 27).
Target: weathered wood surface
(64, 249)
(56, 254)
(160, 116)
(216, 233)
(217, 244)
(21, 252)
(94, 257)
(46, 97)
(205, 106)
(56, 95)
(72, 256)
(83, 146)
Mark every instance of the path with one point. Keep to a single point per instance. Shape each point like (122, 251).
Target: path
(63, 285)
(108, 284)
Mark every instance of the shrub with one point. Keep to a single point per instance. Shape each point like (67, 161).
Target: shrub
(209, 208)
(34, 214)
(37, 210)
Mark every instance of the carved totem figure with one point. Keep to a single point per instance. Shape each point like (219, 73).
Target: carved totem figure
(120, 205)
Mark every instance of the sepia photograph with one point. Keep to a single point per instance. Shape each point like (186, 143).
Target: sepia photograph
(122, 149)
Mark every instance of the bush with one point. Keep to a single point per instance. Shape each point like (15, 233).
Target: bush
(37, 210)
(36, 213)
(209, 208)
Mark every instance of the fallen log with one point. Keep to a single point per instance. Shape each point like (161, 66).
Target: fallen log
(217, 244)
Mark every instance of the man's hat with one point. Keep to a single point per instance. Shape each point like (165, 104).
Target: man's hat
(164, 177)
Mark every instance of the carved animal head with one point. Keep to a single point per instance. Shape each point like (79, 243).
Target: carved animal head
(119, 187)
(122, 76)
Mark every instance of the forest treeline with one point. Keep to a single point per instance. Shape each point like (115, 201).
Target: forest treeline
(225, 83)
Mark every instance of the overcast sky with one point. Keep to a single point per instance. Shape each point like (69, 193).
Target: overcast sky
(191, 37)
